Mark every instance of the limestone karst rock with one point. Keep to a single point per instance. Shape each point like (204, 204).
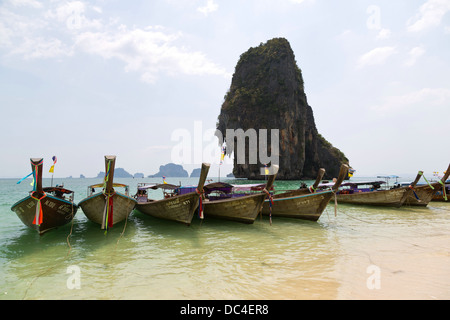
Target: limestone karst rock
(267, 92)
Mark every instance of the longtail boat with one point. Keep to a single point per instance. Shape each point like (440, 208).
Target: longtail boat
(176, 205)
(45, 208)
(108, 207)
(371, 193)
(423, 194)
(304, 203)
(443, 194)
(236, 207)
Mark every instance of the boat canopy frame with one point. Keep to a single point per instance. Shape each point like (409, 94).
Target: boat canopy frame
(91, 188)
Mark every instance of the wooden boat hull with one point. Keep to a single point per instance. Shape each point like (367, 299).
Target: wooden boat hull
(385, 198)
(438, 195)
(94, 206)
(298, 205)
(180, 209)
(441, 192)
(424, 193)
(55, 212)
(427, 193)
(243, 209)
(303, 203)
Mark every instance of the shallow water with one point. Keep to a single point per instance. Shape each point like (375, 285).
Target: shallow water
(361, 253)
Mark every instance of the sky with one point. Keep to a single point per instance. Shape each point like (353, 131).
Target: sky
(145, 80)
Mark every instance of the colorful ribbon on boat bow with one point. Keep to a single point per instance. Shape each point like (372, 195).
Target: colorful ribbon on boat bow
(18, 182)
(200, 205)
(414, 192)
(108, 212)
(270, 204)
(109, 203)
(39, 216)
(432, 188)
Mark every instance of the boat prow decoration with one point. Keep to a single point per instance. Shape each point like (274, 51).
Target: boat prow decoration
(108, 207)
(45, 208)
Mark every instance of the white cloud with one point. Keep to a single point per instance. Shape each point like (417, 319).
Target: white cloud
(300, 1)
(430, 15)
(384, 34)
(46, 32)
(150, 51)
(415, 101)
(68, 28)
(414, 54)
(377, 56)
(210, 6)
(21, 35)
(26, 3)
(72, 14)
(40, 48)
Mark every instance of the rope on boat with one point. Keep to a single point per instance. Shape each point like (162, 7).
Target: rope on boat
(414, 192)
(350, 216)
(426, 180)
(200, 205)
(70, 233)
(123, 231)
(335, 203)
(443, 190)
(270, 205)
(68, 242)
(54, 266)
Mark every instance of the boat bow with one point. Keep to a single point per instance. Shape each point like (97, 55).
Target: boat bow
(342, 174)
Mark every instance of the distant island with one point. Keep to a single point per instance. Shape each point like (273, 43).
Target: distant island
(170, 170)
(196, 173)
(167, 170)
(118, 173)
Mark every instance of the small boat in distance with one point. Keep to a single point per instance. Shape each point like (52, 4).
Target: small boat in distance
(236, 207)
(423, 194)
(108, 207)
(45, 208)
(371, 193)
(176, 205)
(305, 203)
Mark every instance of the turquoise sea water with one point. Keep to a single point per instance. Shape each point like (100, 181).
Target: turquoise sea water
(359, 253)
